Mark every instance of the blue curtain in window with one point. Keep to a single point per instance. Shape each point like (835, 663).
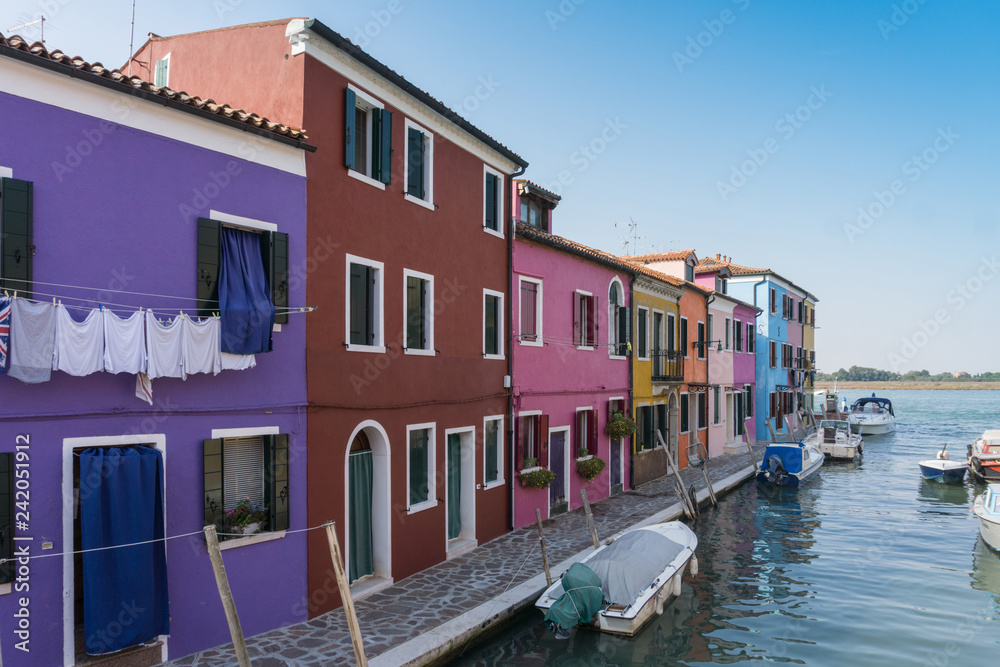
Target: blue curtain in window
(244, 296)
(124, 589)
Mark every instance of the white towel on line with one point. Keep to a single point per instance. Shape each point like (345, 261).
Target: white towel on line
(164, 347)
(201, 347)
(32, 340)
(238, 362)
(124, 343)
(79, 348)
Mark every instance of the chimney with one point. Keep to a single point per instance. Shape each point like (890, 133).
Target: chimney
(717, 256)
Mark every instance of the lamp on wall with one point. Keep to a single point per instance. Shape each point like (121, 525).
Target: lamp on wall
(702, 343)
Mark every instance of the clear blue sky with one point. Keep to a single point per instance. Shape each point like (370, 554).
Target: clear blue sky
(686, 92)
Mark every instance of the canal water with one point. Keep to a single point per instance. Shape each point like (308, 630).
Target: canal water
(865, 565)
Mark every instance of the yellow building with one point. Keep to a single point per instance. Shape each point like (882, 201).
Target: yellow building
(809, 349)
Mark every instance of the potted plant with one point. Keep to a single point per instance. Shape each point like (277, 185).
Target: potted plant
(582, 453)
(528, 464)
(247, 518)
(536, 478)
(590, 467)
(619, 426)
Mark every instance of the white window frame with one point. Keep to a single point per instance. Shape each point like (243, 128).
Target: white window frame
(648, 330)
(501, 223)
(428, 168)
(613, 321)
(431, 467)
(429, 351)
(364, 100)
(166, 84)
(584, 435)
(499, 481)
(522, 415)
(583, 322)
(378, 320)
(684, 397)
(538, 342)
(500, 325)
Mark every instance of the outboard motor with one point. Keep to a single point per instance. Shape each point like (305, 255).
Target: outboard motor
(775, 473)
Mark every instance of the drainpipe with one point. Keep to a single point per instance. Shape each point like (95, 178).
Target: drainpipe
(756, 388)
(511, 430)
(631, 381)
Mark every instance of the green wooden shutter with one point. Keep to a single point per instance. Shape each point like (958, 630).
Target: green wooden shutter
(358, 297)
(16, 223)
(160, 78)
(415, 334)
(490, 325)
(350, 103)
(276, 480)
(623, 333)
(491, 201)
(415, 163)
(214, 482)
(7, 509)
(209, 254)
(385, 146)
(279, 275)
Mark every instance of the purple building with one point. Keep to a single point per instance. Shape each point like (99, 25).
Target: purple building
(119, 195)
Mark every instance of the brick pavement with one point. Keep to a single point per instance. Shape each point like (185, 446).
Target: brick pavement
(438, 594)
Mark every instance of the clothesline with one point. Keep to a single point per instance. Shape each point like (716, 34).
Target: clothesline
(101, 289)
(121, 307)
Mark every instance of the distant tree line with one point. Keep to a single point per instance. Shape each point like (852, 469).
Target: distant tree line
(866, 374)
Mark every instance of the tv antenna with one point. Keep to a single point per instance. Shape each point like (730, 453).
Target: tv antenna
(41, 20)
(631, 237)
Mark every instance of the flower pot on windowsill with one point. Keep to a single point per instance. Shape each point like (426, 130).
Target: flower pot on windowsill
(619, 426)
(589, 467)
(536, 478)
(249, 529)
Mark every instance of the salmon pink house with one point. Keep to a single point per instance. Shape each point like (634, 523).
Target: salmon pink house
(570, 367)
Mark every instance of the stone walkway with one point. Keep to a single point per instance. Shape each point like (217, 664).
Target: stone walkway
(427, 599)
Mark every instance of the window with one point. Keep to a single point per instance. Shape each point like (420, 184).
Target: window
(161, 77)
(660, 412)
(645, 428)
(419, 312)
(774, 406)
(420, 466)
(801, 313)
(368, 138)
(751, 338)
(532, 440)
(728, 339)
(774, 354)
(701, 339)
(493, 201)
(492, 324)
(738, 335)
(702, 410)
(684, 413)
(689, 273)
(774, 302)
(530, 316)
(642, 332)
(684, 337)
(493, 450)
(716, 405)
(364, 305)
(586, 432)
(710, 333)
(419, 161)
(584, 319)
(534, 214)
(16, 223)
(246, 475)
(738, 412)
(671, 333)
(749, 402)
(618, 320)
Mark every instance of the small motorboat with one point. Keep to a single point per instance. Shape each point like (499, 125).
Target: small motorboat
(984, 457)
(833, 437)
(622, 585)
(943, 469)
(987, 510)
(825, 405)
(872, 416)
(789, 463)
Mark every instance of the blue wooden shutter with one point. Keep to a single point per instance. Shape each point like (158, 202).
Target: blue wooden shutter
(16, 224)
(351, 103)
(276, 480)
(623, 337)
(214, 482)
(385, 146)
(415, 163)
(491, 202)
(209, 233)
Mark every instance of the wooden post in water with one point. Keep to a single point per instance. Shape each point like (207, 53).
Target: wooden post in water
(345, 595)
(219, 568)
(545, 553)
(770, 428)
(689, 510)
(704, 469)
(590, 518)
(746, 439)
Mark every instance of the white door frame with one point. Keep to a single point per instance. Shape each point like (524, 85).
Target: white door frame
(158, 441)
(378, 440)
(467, 498)
(567, 454)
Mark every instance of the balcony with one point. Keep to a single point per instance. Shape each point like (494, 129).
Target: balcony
(668, 365)
(803, 364)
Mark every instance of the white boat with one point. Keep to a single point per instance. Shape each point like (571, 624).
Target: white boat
(872, 416)
(637, 575)
(833, 437)
(789, 463)
(825, 405)
(943, 469)
(984, 457)
(987, 509)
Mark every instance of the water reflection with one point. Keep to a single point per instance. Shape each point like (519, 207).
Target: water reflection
(936, 494)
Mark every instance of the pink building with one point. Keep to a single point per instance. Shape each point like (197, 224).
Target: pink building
(570, 363)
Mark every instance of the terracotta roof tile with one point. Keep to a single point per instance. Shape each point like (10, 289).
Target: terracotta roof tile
(36, 53)
(672, 256)
(534, 234)
(548, 194)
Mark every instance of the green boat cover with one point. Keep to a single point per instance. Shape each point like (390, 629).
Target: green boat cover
(581, 601)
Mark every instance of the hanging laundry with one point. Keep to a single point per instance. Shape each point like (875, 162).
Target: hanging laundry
(164, 347)
(144, 387)
(124, 343)
(79, 348)
(244, 296)
(32, 340)
(238, 362)
(201, 346)
(4, 330)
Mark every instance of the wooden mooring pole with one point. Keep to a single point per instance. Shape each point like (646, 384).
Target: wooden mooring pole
(345, 595)
(704, 469)
(545, 551)
(746, 439)
(590, 518)
(222, 581)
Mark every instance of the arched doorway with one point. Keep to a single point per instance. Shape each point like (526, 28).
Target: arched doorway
(367, 551)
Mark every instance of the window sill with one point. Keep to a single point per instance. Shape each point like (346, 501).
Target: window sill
(584, 458)
(251, 539)
(5, 589)
(531, 343)
(531, 469)
(617, 357)
(494, 232)
(420, 507)
(500, 357)
(366, 179)
(378, 349)
(642, 358)
(418, 352)
(586, 348)
(420, 202)
(492, 485)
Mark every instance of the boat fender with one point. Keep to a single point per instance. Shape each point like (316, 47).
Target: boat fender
(677, 585)
(943, 456)
(694, 565)
(659, 603)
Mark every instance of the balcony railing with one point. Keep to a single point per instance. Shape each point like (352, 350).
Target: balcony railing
(668, 365)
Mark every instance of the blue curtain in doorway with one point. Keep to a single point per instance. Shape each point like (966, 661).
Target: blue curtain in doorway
(359, 468)
(454, 486)
(244, 296)
(124, 589)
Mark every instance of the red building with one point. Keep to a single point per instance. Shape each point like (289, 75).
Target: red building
(408, 264)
